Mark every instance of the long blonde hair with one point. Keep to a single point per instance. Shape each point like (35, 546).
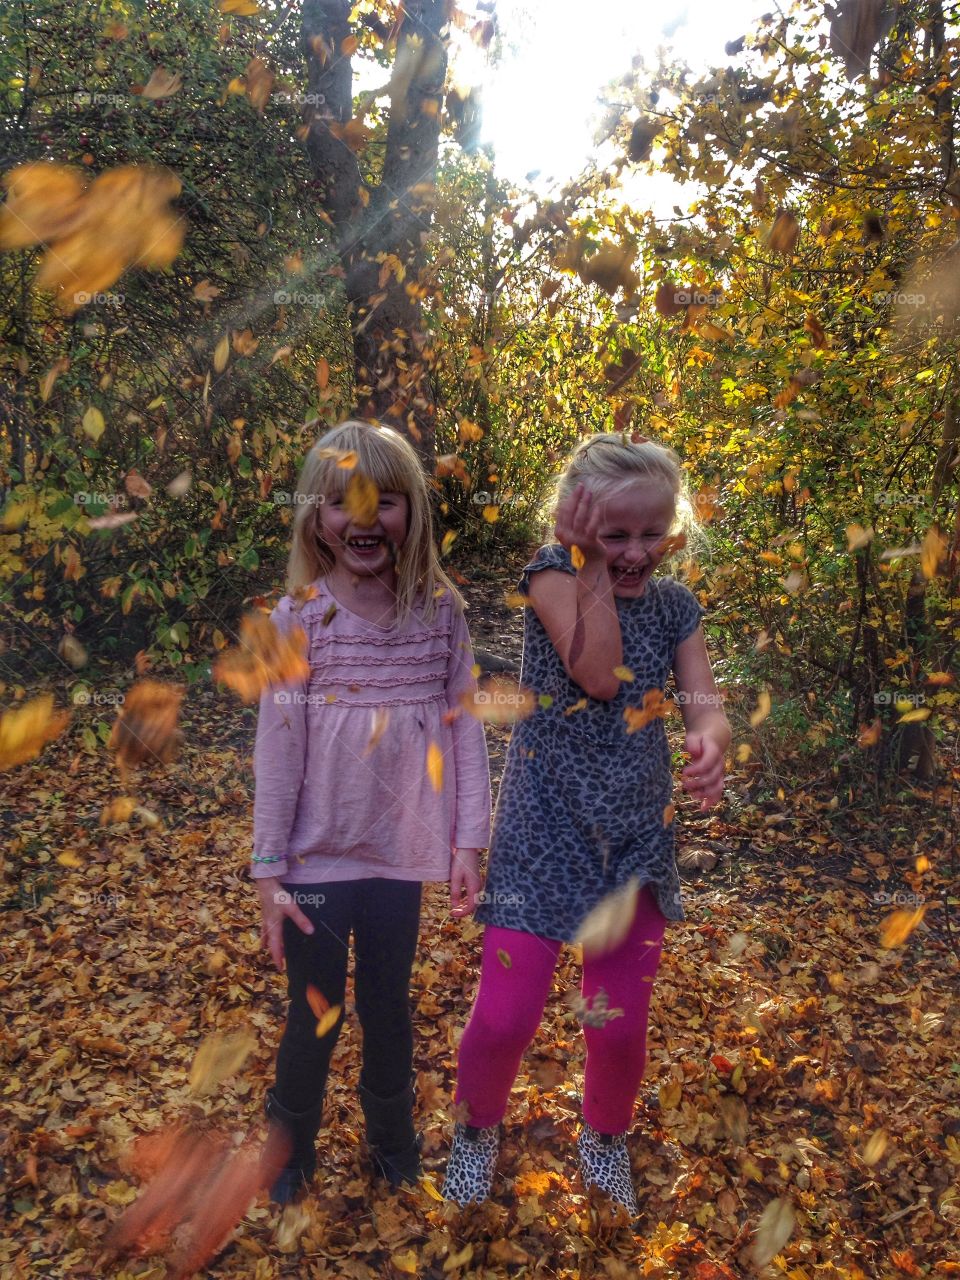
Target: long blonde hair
(386, 458)
(609, 461)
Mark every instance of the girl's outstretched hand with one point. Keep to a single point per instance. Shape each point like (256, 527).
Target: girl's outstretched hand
(464, 881)
(275, 903)
(578, 524)
(703, 776)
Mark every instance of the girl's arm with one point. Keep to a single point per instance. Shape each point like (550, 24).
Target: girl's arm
(579, 614)
(708, 732)
(471, 766)
(279, 758)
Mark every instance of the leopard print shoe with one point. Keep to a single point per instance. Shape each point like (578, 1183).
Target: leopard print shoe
(605, 1163)
(473, 1159)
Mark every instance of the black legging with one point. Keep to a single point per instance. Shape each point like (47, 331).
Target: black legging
(384, 916)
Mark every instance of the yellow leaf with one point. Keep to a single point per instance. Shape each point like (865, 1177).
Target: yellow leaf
(50, 377)
(744, 752)
(328, 1020)
(876, 1146)
(460, 1259)
(405, 1262)
(430, 1188)
(609, 922)
(237, 85)
(858, 537)
(577, 558)
(918, 713)
(898, 927)
(623, 673)
(242, 8)
(347, 460)
(773, 1231)
(931, 552)
(491, 514)
(219, 1057)
(93, 423)
(361, 499)
(923, 863)
(69, 859)
(504, 958)
(25, 730)
(162, 84)
(222, 354)
(762, 709)
(449, 538)
(435, 766)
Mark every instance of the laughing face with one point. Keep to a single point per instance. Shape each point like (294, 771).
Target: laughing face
(365, 550)
(635, 522)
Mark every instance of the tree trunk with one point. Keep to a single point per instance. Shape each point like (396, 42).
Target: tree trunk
(381, 230)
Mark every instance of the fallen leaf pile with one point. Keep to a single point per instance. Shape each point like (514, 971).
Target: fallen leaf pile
(799, 1110)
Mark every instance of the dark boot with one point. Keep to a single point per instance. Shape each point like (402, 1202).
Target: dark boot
(301, 1128)
(394, 1142)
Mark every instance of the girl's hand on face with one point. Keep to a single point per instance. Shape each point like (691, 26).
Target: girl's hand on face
(465, 881)
(703, 776)
(275, 903)
(578, 524)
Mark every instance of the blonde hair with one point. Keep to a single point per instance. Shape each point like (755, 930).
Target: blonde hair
(386, 458)
(608, 462)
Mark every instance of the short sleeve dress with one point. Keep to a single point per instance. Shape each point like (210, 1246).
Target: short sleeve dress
(581, 802)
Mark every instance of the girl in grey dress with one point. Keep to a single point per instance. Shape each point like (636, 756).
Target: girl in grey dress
(584, 813)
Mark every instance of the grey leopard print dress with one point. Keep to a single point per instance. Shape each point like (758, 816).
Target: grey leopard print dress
(581, 802)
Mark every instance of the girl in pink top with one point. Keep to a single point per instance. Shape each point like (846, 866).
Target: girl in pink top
(370, 779)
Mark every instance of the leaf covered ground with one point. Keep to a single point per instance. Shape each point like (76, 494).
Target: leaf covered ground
(802, 1084)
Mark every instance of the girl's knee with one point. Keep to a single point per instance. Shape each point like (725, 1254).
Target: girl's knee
(513, 1025)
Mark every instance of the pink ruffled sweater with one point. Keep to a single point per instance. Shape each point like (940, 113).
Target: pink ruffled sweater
(342, 787)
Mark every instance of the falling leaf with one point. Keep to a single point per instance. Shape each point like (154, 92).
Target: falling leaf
(24, 731)
(623, 673)
(323, 373)
(242, 8)
(491, 514)
(932, 551)
(577, 558)
(136, 486)
(858, 537)
(361, 499)
(50, 377)
(773, 1231)
(162, 84)
(379, 720)
(43, 203)
(876, 1145)
(264, 658)
(328, 1020)
(784, 233)
(856, 26)
(221, 354)
(504, 958)
(499, 700)
(146, 724)
(898, 926)
(179, 485)
(205, 291)
(73, 652)
(259, 81)
(435, 766)
(449, 538)
(869, 734)
(609, 922)
(655, 706)
(219, 1057)
(762, 709)
(668, 814)
(244, 343)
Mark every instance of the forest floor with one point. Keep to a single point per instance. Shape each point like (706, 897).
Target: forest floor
(801, 1102)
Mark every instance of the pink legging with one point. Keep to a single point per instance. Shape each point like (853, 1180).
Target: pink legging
(509, 1006)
